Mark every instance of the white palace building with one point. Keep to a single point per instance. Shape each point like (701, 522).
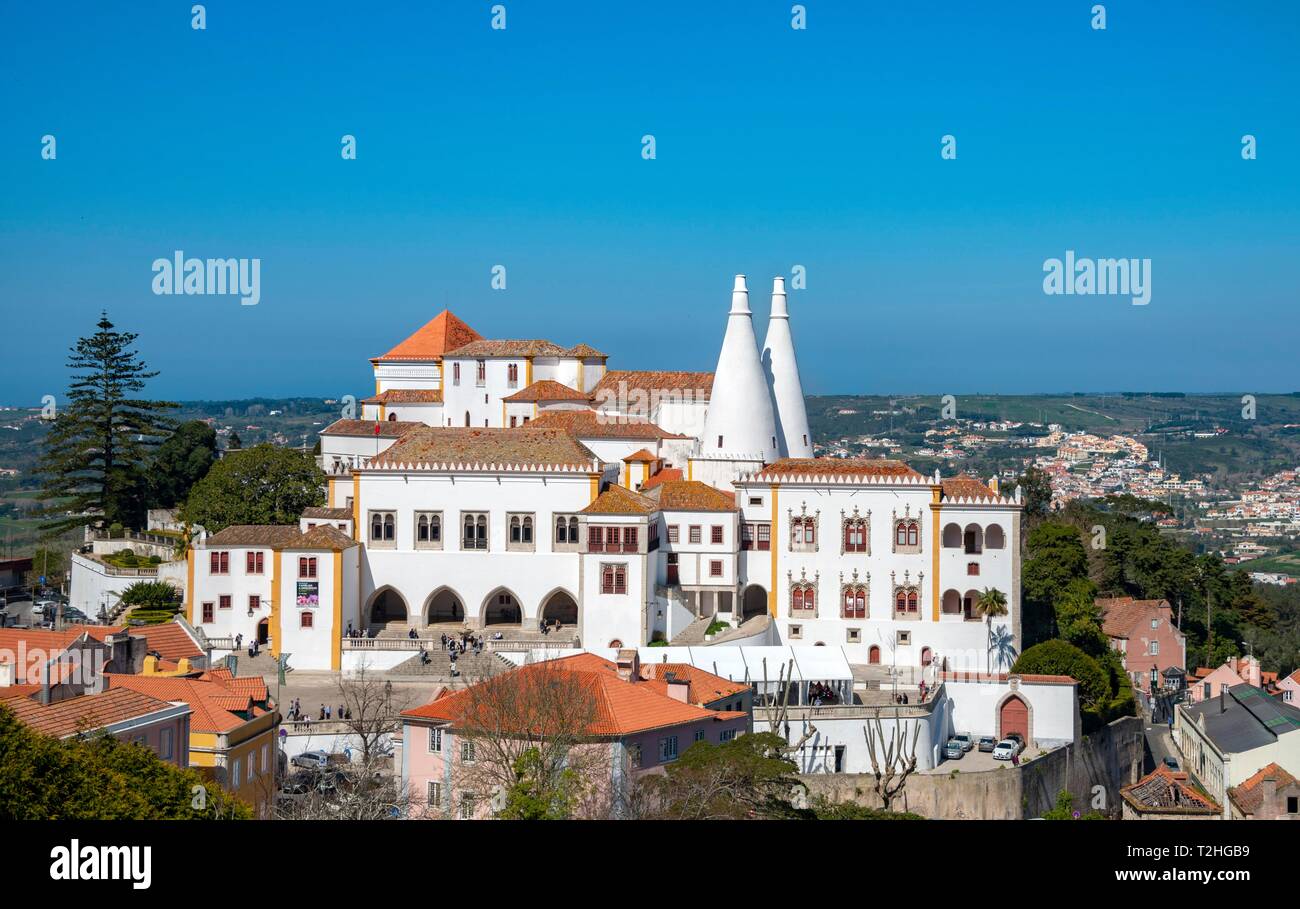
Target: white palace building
(503, 483)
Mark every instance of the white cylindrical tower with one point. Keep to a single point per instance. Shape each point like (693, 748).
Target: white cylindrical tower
(739, 423)
(783, 380)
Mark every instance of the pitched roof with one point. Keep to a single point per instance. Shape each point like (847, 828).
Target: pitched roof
(586, 351)
(281, 536)
(641, 456)
(526, 446)
(86, 713)
(387, 429)
(964, 486)
(846, 467)
(170, 639)
(621, 708)
(691, 495)
(444, 332)
(1164, 792)
(1245, 719)
(618, 382)
(323, 536)
(663, 476)
(705, 687)
(213, 699)
(328, 514)
(1120, 614)
(621, 500)
(1249, 794)
(546, 390)
(406, 396)
(512, 347)
(587, 424)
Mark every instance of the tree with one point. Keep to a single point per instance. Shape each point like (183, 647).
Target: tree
(1078, 618)
(234, 443)
(180, 462)
(1054, 557)
(96, 777)
(892, 760)
(1059, 658)
(991, 604)
(259, 485)
(746, 778)
(530, 732)
(1036, 493)
(93, 459)
(1064, 810)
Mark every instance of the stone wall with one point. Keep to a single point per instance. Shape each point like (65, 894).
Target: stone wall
(1110, 758)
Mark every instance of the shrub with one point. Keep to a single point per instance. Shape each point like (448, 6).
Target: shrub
(1057, 657)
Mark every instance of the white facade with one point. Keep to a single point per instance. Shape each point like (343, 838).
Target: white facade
(793, 435)
(739, 423)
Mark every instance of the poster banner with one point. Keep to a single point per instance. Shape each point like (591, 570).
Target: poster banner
(308, 594)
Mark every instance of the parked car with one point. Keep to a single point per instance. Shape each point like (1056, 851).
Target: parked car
(1171, 763)
(966, 742)
(1005, 750)
(312, 760)
(987, 743)
(953, 751)
(1016, 737)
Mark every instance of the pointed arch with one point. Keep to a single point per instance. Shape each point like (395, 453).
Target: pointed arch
(501, 607)
(559, 606)
(443, 605)
(385, 604)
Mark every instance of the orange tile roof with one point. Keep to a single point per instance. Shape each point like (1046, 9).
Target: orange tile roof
(663, 476)
(546, 390)
(1164, 791)
(212, 699)
(526, 446)
(1120, 614)
(641, 456)
(388, 429)
(170, 639)
(86, 713)
(963, 486)
(851, 467)
(621, 500)
(328, 514)
(586, 351)
(621, 708)
(441, 334)
(26, 644)
(587, 424)
(281, 536)
(511, 347)
(705, 687)
(1249, 794)
(692, 495)
(406, 396)
(618, 381)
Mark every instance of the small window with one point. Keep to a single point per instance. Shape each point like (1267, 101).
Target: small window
(254, 602)
(854, 636)
(474, 531)
(796, 632)
(673, 532)
(305, 619)
(668, 749)
(223, 601)
(383, 529)
(715, 568)
(219, 563)
(716, 537)
(307, 567)
(253, 563)
(165, 744)
(235, 768)
(613, 578)
(699, 735)
(520, 529)
(209, 613)
(435, 741)
(756, 501)
(467, 752)
(634, 756)
(904, 638)
(696, 534)
(435, 795)
(467, 806)
(428, 530)
(727, 735)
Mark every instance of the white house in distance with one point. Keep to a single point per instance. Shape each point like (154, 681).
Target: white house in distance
(503, 483)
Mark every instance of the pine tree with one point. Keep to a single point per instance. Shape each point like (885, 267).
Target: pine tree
(92, 465)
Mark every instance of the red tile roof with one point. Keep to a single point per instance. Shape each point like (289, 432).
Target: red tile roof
(387, 429)
(621, 708)
(705, 687)
(966, 487)
(621, 500)
(641, 456)
(406, 396)
(86, 713)
(587, 424)
(443, 333)
(692, 495)
(546, 390)
(663, 476)
(1119, 615)
(1165, 792)
(616, 382)
(849, 467)
(281, 536)
(510, 347)
(1249, 795)
(586, 351)
(214, 700)
(526, 446)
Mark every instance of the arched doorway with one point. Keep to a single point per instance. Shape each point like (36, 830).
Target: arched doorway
(386, 605)
(1013, 716)
(502, 608)
(754, 602)
(560, 607)
(264, 631)
(873, 655)
(444, 606)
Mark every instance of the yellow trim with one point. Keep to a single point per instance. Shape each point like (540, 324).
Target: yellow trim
(936, 495)
(595, 486)
(627, 475)
(336, 651)
(356, 507)
(189, 583)
(275, 603)
(528, 371)
(690, 469)
(503, 413)
(377, 385)
(329, 492)
(774, 537)
(382, 415)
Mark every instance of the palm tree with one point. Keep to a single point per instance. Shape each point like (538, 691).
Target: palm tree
(991, 604)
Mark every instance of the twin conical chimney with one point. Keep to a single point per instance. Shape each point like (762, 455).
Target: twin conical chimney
(740, 421)
(782, 371)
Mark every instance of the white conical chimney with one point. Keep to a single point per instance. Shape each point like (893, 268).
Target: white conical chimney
(739, 421)
(783, 380)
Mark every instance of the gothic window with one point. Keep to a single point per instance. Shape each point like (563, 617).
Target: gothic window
(854, 602)
(856, 533)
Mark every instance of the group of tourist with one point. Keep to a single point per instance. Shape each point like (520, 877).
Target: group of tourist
(296, 715)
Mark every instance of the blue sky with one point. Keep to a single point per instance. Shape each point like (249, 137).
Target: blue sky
(775, 148)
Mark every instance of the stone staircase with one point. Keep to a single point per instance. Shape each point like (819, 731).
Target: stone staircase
(693, 634)
(472, 666)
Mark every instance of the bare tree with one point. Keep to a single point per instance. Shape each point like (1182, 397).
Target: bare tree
(530, 740)
(898, 760)
(779, 717)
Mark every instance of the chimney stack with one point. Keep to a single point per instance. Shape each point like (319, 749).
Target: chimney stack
(784, 386)
(628, 665)
(739, 423)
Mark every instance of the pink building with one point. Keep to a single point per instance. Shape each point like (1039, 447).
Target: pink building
(1209, 683)
(643, 721)
(1289, 689)
(1143, 632)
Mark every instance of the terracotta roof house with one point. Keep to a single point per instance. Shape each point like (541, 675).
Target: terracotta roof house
(636, 722)
(444, 332)
(1271, 794)
(1144, 635)
(1166, 795)
(160, 725)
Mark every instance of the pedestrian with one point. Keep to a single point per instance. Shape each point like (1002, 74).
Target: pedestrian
(340, 714)
(239, 641)
(322, 711)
